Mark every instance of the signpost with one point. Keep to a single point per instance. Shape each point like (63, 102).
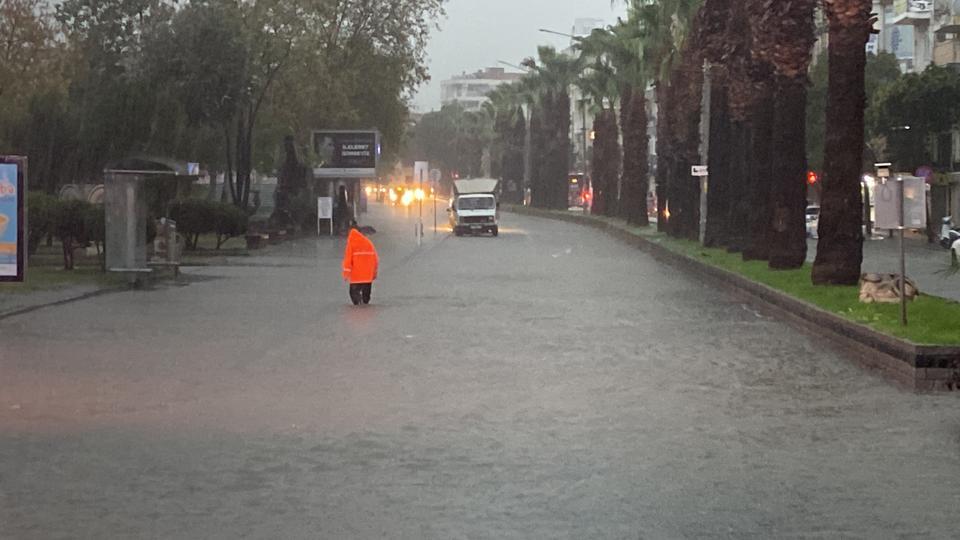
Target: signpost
(701, 172)
(435, 176)
(13, 194)
(900, 205)
(420, 171)
(324, 211)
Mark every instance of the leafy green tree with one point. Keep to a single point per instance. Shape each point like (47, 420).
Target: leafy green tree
(914, 108)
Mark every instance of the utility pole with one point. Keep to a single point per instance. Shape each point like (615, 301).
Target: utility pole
(704, 147)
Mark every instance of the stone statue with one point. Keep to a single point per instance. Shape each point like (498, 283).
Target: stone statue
(291, 184)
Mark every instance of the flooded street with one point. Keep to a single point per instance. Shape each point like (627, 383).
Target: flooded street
(548, 383)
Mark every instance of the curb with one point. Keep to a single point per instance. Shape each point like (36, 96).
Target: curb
(84, 296)
(919, 367)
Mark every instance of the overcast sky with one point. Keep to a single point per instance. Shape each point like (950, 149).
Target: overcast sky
(477, 33)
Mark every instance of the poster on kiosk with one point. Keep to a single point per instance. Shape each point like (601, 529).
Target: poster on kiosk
(13, 249)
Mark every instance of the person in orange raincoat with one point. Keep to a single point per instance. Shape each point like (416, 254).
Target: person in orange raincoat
(360, 264)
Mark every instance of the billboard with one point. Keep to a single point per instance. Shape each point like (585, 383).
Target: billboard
(13, 248)
(346, 154)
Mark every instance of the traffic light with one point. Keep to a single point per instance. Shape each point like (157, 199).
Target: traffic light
(812, 178)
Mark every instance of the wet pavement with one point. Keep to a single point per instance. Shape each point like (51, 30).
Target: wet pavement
(549, 383)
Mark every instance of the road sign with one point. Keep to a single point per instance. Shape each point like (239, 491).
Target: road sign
(699, 170)
(883, 170)
(436, 175)
(421, 171)
(888, 213)
(324, 211)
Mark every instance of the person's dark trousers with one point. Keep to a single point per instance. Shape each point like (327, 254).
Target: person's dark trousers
(360, 292)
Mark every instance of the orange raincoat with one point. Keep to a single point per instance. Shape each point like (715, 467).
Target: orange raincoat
(360, 259)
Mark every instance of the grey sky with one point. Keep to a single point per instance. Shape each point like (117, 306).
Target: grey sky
(477, 33)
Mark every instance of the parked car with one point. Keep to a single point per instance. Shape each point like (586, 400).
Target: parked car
(813, 220)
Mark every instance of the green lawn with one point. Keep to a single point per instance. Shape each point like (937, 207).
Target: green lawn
(45, 271)
(207, 245)
(933, 320)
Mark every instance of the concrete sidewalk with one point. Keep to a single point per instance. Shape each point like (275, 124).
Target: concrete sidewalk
(16, 303)
(926, 263)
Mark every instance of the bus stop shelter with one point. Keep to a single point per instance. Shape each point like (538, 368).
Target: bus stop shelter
(126, 183)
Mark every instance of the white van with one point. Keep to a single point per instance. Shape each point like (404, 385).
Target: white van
(474, 208)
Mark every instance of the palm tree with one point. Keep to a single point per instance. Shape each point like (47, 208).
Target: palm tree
(674, 65)
(555, 73)
(600, 86)
(623, 46)
(509, 137)
(840, 247)
(725, 39)
(783, 34)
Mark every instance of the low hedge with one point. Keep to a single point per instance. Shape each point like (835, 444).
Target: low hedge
(195, 217)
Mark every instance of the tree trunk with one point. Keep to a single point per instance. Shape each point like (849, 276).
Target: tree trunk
(537, 151)
(559, 163)
(635, 149)
(719, 158)
(760, 176)
(788, 237)
(738, 207)
(606, 161)
(840, 244)
(626, 165)
(228, 173)
(662, 150)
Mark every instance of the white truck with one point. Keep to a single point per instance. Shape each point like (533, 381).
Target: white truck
(474, 208)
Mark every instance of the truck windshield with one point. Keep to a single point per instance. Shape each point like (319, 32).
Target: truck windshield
(476, 203)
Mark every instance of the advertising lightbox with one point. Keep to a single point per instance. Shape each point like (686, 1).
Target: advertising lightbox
(13, 248)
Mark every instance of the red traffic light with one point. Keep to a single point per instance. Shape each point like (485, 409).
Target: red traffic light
(812, 178)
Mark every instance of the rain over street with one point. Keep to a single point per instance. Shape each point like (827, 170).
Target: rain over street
(548, 383)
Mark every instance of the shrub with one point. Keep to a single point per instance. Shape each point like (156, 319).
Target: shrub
(95, 230)
(41, 211)
(194, 217)
(199, 216)
(69, 225)
(229, 221)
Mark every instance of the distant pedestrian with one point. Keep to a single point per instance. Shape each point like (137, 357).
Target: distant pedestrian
(360, 264)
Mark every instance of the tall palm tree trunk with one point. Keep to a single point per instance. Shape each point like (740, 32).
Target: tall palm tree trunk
(686, 190)
(560, 159)
(840, 247)
(759, 177)
(719, 161)
(662, 148)
(636, 148)
(788, 241)
(627, 175)
(606, 161)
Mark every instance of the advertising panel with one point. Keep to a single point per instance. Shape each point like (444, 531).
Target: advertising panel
(346, 154)
(13, 249)
(887, 200)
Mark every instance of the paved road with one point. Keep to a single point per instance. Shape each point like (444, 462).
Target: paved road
(549, 383)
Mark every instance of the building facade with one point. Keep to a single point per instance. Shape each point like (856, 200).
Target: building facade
(471, 90)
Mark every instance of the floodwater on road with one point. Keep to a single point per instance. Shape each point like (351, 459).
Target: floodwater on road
(548, 383)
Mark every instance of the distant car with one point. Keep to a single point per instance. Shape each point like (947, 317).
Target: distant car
(813, 220)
